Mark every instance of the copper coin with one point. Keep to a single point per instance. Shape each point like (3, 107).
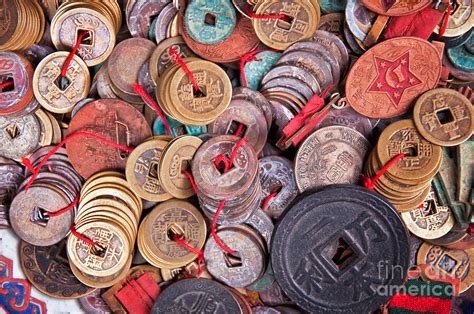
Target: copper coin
(295, 72)
(94, 304)
(276, 175)
(331, 155)
(241, 41)
(47, 268)
(110, 118)
(333, 23)
(163, 20)
(140, 14)
(257, 98)
(19, 136)
(387, 78)
(335, 45)
(444, 117)
(350, 118)
(395, 7)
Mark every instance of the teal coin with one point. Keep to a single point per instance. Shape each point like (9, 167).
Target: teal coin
(461, 57)
(255, 70)
(265, 282)
(332, 6)
(151, 33)
(176, 128)
(210, 21)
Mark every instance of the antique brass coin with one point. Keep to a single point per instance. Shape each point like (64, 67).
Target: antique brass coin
(444, 117)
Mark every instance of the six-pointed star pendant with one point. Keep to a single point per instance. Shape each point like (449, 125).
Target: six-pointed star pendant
(393, 77)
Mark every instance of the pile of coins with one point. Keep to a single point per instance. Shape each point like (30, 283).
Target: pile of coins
(108, 214)
(239, 187)
(180, 100)
(56, 186)
(407, 183)
(100, 20)
(11, 176)
(20, 18)
(156, 237)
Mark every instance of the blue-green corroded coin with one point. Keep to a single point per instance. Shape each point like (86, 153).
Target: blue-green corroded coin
(176, 128)
(210, 21)
(265, 282)
(332, 6)
(151, 33)
(255, 70)
(461, 57)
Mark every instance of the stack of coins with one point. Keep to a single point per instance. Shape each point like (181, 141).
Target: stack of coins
(178, 98)
(50, 128)
(108, 214)
(55, 187)
(156, 236)
(20, 18)
(99, 20)
(407, 183)
(60, 94)
(16, 98)
(243, 268)
(239, 186)
(11, 176)
(155, 169)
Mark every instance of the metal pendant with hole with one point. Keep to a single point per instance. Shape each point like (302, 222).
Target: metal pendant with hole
(346, 250)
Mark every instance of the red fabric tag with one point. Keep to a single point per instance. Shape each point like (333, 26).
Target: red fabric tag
(134, 299)
(419, 24)
(150, 286)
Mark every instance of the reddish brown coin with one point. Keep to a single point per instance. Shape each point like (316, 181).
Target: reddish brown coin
(112, 119)
(242, 40)
(386, 80)
(396, 7)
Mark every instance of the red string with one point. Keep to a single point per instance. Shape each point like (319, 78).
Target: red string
(470, 230)
(72, 53)
(268, 199)
(144, 95)
(370, 183)
(444, 26)
(234, 152)
(191, 179)
(67, 139)
(199, 253)
(224, 247)
(248, 57)
(66, 209)
(6, 84)
(266, 17)
(81, 237)
(28, 164)
(239, 130)
(221, 158)
(177, 59)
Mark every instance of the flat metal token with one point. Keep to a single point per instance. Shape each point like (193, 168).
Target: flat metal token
(350, 118)
(165, 17)
(199, 295)
(331, 155)
(384, 82)
(139, 15)
(352, 41)
(335, 45)
(462, 58)
(457, 73)
(19, 136)
(263, 224)
(359, 19)
(460, 20)
(47, 268)
(333, 23)
(344, 255)
(295, 72)
(255, 70)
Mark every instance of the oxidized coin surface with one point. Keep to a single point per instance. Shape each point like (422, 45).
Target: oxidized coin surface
(277, 176)
(112, 119)
(431, 220)
(47, 268)
(333, 23)
(196, 295)
(355, 244)
(255, 70)
(263, 224)
(19, 136)
(350, 118)
(384, 82)
(140, 14)
(331, 155)
(444, 117)
(395, 7)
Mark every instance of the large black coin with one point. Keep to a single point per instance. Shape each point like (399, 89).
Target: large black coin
(196, 296)
(340, 249)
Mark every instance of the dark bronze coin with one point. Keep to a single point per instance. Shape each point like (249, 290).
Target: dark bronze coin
(342, 238)
(47, 268)
(196, 296)
(140, 16)
(294, 72)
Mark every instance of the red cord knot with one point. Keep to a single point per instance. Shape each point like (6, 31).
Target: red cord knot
(64, 141)
(239, 130)
(139, 90)
(191, 179)
(248, 57)
(444, 26)
(370, 183)
(268, 199)
(199, 253)
(283, 17)
(175, 57)
(72, 53)
(81, 237)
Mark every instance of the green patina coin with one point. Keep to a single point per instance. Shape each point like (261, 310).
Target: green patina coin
(176, 128)
(255, 70)
(332, 6)
(151, 33)
(461, 57)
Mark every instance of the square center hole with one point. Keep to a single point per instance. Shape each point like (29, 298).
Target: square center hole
(8, 83)
(430, 209)
(39, 217)
(174, 230)
(447, 263)
(98, 250)
(153, 170)
(88, 37)
(411, 150)
(200, 93)
(445, 116)
(233, 260)
(62, 82)
(220, 165)
(210, 19)
(285, 22)
(342, 254)
(12, 131)
(237, 128)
